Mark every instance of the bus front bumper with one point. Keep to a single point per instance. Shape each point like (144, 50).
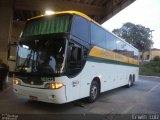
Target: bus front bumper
(57, 96)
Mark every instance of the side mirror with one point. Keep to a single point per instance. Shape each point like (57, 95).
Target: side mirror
(12, 48)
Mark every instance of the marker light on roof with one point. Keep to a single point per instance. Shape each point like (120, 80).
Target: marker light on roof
(49, 12)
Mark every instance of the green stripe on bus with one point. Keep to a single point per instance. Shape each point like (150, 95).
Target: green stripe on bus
(102, 60)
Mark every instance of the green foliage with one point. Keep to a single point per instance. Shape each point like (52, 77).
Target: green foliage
(151, 68)
(137, 35)
(157, 58)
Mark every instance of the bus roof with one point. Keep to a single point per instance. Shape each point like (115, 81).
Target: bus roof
(65, 12)
(80, 14)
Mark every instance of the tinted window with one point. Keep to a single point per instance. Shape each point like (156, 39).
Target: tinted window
(98, 36)
(125, 49)
(80, 28)
(111, 41)
(135, 54)
(128, 52)
(120, 46)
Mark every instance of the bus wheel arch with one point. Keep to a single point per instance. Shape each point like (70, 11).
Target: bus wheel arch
(95, 88)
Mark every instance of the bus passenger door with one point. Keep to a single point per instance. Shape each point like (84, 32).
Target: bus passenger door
(74, 68)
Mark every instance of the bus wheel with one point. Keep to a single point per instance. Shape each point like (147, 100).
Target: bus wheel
(94, 91)
(133, 80)
(129, 82)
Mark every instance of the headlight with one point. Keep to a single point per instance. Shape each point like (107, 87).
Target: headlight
(16, 81)
(55, 85)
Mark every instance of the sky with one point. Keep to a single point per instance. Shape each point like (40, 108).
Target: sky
(143, 12)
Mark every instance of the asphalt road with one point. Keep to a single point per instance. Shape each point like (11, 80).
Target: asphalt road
(143, 97)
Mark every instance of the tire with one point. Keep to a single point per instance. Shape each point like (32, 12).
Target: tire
(129, 82)
(94, 92)
(133, 80)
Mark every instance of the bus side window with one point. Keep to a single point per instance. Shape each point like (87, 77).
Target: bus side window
(75, 56)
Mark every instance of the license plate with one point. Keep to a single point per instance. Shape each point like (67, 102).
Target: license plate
(33, 98)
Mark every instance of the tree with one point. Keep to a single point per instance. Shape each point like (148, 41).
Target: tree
(137, 35)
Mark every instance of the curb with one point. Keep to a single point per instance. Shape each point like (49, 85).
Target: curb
(149, 76)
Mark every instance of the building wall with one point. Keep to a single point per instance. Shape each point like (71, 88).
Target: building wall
(149, 55)
(17, 28)
(6, 12)
(155, 53)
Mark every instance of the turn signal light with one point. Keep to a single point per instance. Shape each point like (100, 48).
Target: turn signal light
(55, 85)
(16, 82)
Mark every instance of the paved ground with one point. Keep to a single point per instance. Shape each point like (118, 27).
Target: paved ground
(143, 97)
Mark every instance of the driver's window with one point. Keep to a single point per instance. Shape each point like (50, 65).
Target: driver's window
(75, 59)
(75, 54)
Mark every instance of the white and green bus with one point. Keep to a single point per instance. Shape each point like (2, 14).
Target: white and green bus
(68, 56)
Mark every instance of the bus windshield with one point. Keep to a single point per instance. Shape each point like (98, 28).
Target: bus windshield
(41, 56)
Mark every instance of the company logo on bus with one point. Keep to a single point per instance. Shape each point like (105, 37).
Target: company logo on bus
(47, 79)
